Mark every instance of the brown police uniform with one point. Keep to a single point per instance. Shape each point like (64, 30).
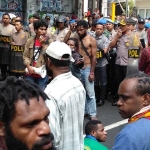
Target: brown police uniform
(19, 38)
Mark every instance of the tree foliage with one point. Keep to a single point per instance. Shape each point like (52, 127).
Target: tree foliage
(131, 6)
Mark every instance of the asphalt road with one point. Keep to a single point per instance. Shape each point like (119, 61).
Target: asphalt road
(109, 115)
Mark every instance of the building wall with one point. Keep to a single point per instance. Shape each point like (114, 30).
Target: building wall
(52, 8)
(143, 7)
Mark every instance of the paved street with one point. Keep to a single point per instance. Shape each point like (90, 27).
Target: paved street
(109, 115)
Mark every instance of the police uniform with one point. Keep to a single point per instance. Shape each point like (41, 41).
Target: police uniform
(100, 69)
(6, 31)
(123, 45)
(19, 38)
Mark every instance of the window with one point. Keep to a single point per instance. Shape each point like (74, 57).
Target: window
(142, 13)
(147, 13)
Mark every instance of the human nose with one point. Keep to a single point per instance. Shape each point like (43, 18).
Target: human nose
(105, 132)
(119, 102)
(43, 128)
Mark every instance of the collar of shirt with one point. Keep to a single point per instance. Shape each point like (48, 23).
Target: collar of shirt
(99, 37)
(91, 137)
(62, 76)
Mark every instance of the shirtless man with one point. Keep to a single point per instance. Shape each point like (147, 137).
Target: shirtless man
(87, 72)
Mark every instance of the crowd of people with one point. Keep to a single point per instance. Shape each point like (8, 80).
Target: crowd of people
(67, 70)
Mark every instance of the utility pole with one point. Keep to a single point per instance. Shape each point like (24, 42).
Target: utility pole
(113, 11)
(126, 8)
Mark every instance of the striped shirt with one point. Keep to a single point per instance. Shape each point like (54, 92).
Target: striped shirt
(66, 106)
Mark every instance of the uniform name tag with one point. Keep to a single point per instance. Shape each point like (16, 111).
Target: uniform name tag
(17, 48)
(100, 54)
(4, 39)
(133, 53)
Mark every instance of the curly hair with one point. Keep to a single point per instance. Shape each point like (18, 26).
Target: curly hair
(82, 23)
(12, 90)
(40, 23)
(143, 83)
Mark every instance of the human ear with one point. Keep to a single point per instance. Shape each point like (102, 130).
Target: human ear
(2, 127)
(92, 133)
(146, 99)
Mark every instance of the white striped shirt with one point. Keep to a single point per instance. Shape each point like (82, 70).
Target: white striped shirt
(66, 106)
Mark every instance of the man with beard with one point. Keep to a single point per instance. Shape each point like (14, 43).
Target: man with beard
(87, 49)
(67, 96)
(22, 125)
(95, 134)
(134, 103)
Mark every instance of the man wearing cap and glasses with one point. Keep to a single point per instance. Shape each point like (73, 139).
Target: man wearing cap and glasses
(67, 98)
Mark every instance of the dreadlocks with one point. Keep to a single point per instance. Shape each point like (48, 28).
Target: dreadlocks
(12, 90)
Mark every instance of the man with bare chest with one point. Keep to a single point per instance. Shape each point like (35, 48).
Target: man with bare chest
(87, 49)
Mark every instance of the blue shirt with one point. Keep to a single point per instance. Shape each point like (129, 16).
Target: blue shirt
(135, 136)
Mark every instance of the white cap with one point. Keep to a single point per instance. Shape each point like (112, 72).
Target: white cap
(58, 49)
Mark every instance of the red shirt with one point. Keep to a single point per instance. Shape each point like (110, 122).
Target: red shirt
(36, 48)
(144, 61)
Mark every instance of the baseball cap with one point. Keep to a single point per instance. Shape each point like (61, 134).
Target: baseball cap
(47, 17)
(102, 21)
(58, 50)
(141, 20)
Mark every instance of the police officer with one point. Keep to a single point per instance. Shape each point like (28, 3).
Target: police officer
(61, 31)
(122, 40)
(19, 37)
(6, 29)
(111, 58)
(100, 70)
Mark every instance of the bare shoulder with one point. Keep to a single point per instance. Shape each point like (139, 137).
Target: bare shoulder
(92, 39)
